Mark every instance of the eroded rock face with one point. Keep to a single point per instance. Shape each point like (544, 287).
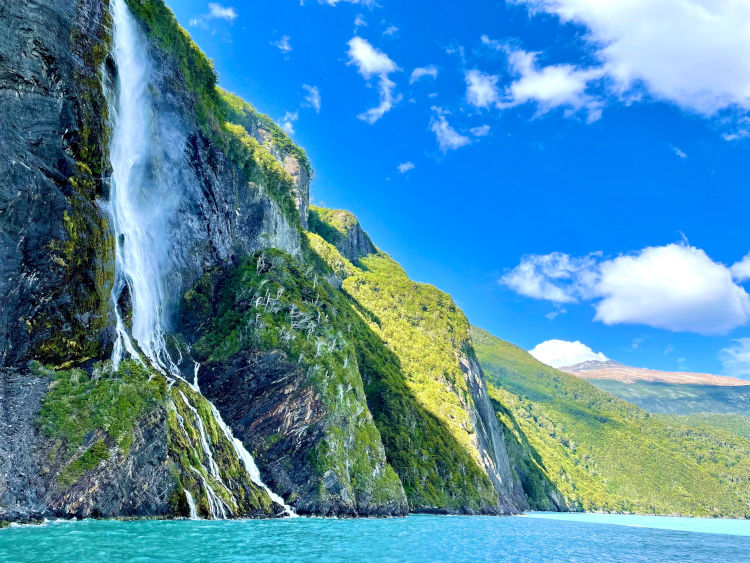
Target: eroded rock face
(269, 405)
(212, 214)
(55, 253)
(490, 440)
(136, 484)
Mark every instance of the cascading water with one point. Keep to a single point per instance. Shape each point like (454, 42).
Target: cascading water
(140, 215)
(141, 210)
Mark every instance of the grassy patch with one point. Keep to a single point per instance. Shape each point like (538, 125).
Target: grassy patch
(78, 403)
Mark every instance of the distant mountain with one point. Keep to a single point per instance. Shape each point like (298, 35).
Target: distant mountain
(577, 447)
(616, 371)
(668, 392)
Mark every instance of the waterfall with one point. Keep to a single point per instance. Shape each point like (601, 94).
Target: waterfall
(249, 462)
(191, 505)
(143, 200)
(140, 207)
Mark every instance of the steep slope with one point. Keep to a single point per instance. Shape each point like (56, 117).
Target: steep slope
(179, 244)
(435, 388)
(58, 63)
(602, 453)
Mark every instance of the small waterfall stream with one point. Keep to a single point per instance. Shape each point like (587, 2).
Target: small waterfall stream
(142, 204)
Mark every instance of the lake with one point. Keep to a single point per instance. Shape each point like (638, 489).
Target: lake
(532, 537)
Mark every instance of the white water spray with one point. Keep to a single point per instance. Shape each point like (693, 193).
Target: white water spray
(141, 209)
(249, 462)
(140, 212)
(191, 505)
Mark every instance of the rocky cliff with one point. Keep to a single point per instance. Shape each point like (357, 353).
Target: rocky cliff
(279, 341)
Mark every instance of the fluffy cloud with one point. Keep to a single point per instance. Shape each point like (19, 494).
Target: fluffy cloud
(551, 86)
(735, 359)
(215, 12)
(404, 167)
(561, 353)
(481, 89)
(422, 72)
(391, 31)
(555, 277)
(681, 154)
(218, 11)
(373, 63)
(690, 52)
(287, 122)
(312, 99)
(674, 287)
(741, 270)
(448, 138)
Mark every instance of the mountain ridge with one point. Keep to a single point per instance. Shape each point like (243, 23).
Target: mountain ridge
(612, 370)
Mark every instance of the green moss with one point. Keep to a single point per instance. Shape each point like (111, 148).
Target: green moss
(84, 259)
(90, 459)
(78, 403)
(189, 461)
(604, 454)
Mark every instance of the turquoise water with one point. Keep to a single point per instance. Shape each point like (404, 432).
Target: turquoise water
(417, 538)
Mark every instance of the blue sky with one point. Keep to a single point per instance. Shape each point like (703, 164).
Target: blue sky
(566, 169)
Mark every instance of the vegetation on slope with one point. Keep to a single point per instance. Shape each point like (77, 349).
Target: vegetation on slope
(80, 406)
(272, 302)
(408, 339)
(671, 398)
(602, 453)
(229, 122)
(732, 423)
(92, 416)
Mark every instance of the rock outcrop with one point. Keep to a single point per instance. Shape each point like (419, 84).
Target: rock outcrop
(297, 367)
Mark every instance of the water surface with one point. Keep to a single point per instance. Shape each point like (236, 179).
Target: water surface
(416, 538)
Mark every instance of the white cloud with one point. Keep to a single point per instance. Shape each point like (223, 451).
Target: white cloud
(287, 122)
(481, 131)
(284, 44)
(690, 52)
(336, 2)
(552, 315)
(555, 277)
(390, 31)
(359, 21)
(373, 63)
(492, 43)
(735, 359)
(561, 353)
(448, 138)
(550, 87)
(481, 89)
(741, 270)
(404, 167)
(679, 152)
(675, 287)
(421, 72)
(215, 12)
(312, 99)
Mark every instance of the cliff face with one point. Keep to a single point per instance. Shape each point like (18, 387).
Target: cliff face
(312, 379)
(55, 253)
